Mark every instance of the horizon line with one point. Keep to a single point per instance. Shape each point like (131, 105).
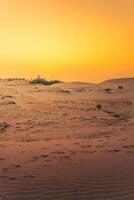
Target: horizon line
(76, 80)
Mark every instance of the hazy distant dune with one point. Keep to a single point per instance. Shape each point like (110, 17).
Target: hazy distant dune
(120, 81)
(117, 81)
(76, 84)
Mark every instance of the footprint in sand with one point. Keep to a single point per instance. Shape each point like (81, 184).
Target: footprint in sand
(5, 170)
(12, 178)
(76, 143)
(2, 159)
(65, 157)
(128, 146)
(100, 146)
(58, 152)
(114, 150)
(34, 158)
(73, 152)
(129, 151)
(29, 176)
(57, 145)
(92, 152)
(2, 177)
(123, 139)
(84, 151)
(22, 152)
(44, 156)
(17, 166)
(86, 146)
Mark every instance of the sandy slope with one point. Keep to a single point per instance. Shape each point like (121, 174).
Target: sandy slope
(67, 141)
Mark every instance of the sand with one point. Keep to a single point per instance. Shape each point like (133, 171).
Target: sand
(67, 141)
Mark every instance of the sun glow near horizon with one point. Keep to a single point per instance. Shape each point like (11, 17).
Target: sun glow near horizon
(69, 40)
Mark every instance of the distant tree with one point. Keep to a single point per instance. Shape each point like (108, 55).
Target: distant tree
(43, 81)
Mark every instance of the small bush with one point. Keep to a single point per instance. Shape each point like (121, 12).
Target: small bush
(3, 127)
(99, 106)
(120, 87)
(43, 81)
(16, 79)
(108, 90)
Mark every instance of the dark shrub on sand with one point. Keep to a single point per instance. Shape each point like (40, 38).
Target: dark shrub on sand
(43, 81)
(3, 127)
(108, 90)
(120, 87)
(16, 79)
(99, 106)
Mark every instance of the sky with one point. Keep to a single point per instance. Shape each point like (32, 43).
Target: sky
(85, 40)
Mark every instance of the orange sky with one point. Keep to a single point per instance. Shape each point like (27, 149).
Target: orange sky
(88, 40)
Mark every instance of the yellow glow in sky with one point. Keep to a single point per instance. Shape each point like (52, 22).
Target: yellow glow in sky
(89, 40)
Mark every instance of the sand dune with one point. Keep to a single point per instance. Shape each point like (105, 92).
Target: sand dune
(124, 82)
(67, 141)
(121, 81)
